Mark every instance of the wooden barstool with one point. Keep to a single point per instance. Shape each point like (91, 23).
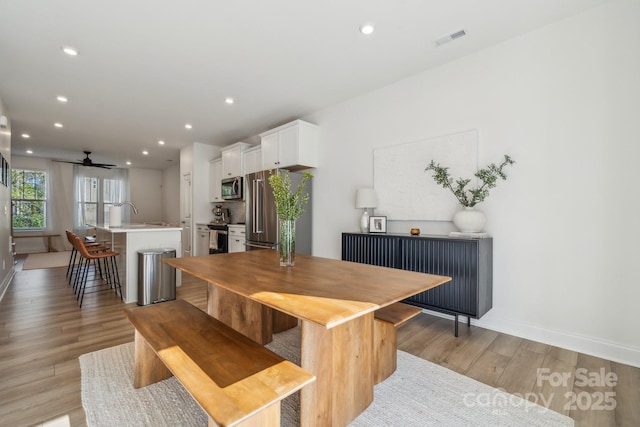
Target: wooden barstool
(75, 257)
(110, 268)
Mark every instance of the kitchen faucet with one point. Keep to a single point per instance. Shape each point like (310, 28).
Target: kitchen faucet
(135, 210)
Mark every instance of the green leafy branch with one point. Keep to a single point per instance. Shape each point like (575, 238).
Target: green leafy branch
(470, 197)
(289, 206)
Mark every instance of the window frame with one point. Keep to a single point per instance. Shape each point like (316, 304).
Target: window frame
(44, 201)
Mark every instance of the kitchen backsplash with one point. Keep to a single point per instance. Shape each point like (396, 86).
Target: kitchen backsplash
(237, 209)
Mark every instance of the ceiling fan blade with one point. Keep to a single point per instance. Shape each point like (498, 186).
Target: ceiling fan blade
(89, 163)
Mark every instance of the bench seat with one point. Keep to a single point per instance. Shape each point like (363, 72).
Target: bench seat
(235, 380)
(385, 337)
(41, 235)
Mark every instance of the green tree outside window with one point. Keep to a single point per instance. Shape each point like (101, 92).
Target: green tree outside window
(29, 199)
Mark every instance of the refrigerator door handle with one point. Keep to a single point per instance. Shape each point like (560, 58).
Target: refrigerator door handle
(259, 214)
(253, 207)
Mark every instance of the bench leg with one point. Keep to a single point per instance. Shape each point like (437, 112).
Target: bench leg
(148, 368)
(269, 416)
(385, 353)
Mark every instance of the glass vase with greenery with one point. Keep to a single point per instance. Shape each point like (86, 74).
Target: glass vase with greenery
(289, 207)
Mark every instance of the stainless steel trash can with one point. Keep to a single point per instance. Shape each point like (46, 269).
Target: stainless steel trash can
(156, 280)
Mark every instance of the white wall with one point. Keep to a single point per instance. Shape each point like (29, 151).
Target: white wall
(6, 257)
(563, 102)
(171, 194)
(146, 193)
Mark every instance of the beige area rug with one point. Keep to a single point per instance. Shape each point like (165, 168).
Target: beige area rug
(419, 393)
(46, 260)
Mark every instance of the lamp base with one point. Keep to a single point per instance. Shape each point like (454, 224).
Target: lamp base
(364, 221)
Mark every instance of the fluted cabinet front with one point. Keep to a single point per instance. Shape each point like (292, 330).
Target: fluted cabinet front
(467, 261)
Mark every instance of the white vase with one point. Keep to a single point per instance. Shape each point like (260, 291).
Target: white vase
(469, 220)
(115, 216)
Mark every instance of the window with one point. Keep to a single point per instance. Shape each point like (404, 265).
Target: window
(96, 191)
(29, 199)
(88, 201)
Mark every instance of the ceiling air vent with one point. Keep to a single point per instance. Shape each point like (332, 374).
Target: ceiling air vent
(450, 37)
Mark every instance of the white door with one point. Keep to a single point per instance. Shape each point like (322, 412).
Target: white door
(185, 213)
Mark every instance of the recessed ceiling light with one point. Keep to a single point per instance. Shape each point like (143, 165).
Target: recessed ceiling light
(70, 50)
(129, 163)
(229, 100)
(29, 152)
(145, 152)
(188, 126)
(161, 142)
(58, 125)
(366, 29)
(62, 98)
(26, 136)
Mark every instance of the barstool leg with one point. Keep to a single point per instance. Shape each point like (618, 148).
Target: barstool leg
(114, 267)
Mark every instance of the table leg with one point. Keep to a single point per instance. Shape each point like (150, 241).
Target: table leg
(341, 358)
(248, 317)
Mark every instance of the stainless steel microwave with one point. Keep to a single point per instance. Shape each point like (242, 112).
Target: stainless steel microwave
(232, 188)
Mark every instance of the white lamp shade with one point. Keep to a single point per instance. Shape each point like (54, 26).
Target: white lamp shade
(366, 198)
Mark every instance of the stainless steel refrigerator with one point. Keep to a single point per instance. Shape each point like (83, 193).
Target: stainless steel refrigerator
(262, 219)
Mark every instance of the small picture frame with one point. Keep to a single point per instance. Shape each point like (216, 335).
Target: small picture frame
(377, 224)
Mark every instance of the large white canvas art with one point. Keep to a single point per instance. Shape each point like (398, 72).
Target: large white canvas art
(406, 192)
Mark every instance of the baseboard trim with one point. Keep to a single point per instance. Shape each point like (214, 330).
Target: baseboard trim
(612, 351)
(6, 282)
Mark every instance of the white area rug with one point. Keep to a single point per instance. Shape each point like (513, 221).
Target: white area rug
(419, 393)
(46, 260)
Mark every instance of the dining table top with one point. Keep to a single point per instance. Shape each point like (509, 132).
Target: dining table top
(325, 291)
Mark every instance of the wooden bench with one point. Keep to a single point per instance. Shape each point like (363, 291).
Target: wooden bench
(236, 381)
(48, 236)
(385, 337)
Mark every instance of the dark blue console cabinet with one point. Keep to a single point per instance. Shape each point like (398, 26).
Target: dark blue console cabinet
(467, 261)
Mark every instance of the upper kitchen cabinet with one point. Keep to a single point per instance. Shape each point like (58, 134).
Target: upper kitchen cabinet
(215, 177)
(252, 160)
(232, 160)
(291, 146)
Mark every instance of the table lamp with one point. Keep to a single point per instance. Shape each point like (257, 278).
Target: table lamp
(366, 199)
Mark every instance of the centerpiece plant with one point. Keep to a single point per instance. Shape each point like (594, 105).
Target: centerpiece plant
(472, 196)
(470, 220)
(289, 207)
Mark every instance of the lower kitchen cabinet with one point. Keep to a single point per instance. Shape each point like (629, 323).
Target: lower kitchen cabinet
(469, 263)
(237, 238)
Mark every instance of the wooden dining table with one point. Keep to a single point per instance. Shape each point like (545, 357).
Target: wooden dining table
(335, 302)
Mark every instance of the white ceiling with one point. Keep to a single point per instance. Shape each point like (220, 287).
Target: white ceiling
(147, 67)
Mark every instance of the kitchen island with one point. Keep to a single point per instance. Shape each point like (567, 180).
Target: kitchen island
(128, 239)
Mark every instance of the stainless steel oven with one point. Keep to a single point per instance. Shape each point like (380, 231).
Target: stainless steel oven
(218, 238)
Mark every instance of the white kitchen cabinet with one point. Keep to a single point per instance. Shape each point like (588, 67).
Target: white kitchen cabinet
(237, 238)
(291, 146)
(252, 160)
(215, 176)
(232, 160)
(202, 240)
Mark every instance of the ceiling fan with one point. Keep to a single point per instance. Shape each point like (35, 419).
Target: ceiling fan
(89, 163)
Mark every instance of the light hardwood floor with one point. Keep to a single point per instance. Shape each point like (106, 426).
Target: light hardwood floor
(43, 332)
